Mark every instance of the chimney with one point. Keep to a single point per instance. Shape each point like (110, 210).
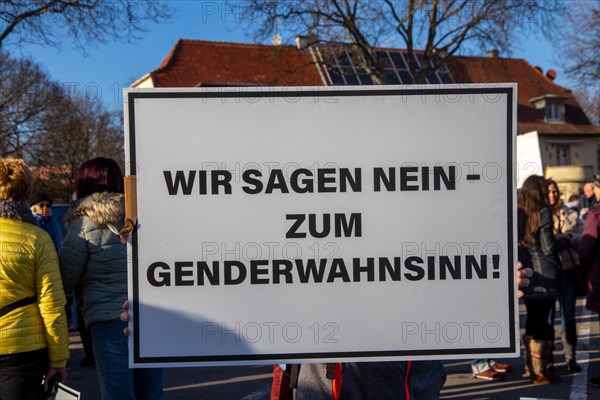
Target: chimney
(551, 74)
(440, 53)
(492, 53)
(302, 42)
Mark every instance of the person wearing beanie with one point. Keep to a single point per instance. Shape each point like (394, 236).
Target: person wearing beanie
(41, 207)
(34, 345)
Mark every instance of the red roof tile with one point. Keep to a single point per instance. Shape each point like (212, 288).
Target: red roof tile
(194, 62)
(532, 83)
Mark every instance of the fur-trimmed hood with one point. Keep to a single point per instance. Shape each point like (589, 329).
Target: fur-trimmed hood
(102, 208)
(16, 211)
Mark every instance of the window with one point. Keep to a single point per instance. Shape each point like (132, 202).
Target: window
(551, 107)
(553, 112)
(563, 155)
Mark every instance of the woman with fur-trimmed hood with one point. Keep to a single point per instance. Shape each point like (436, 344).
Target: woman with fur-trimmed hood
(92, 254)
(34, 341)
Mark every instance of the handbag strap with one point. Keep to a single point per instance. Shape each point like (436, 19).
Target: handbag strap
(19, 303)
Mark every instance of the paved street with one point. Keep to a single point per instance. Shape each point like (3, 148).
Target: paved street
(253, 382)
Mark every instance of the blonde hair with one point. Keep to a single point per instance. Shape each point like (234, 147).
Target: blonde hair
(15, 179)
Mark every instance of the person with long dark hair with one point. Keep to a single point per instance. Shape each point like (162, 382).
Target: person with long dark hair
(538, 249)
(566, 223)
(92, 253)
(34, 341)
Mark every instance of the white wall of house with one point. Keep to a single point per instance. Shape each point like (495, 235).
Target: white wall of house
(145, 81)
(580, 151)
(581, 157)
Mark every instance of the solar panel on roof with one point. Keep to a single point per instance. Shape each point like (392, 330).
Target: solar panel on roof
(398, 60)
(392, 77)
(346, 67)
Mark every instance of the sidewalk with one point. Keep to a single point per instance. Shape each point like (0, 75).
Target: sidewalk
(461, 384)
(253, 382)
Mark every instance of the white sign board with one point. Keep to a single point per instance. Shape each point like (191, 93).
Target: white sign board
(322, 224)
(529, 158)
(65, 392)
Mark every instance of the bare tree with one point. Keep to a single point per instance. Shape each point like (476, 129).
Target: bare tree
(76, 129)
(579, 42)
(579, 49)
(589, 99)
(85, 21)
(25, 94)
(431, 30)
(54, 128)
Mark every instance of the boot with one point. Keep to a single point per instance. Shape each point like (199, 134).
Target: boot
(569, 343)
(540, 352)
(528, 368)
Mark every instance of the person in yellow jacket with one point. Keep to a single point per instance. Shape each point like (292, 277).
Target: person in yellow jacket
(34, 342)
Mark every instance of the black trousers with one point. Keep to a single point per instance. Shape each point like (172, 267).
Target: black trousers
(537, 325)
(21, 375)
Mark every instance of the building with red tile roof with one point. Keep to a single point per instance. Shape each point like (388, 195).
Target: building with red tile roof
(532, 84)
(568, 141)
(193, 63)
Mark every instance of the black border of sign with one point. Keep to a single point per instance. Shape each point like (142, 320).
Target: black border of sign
(332, 92)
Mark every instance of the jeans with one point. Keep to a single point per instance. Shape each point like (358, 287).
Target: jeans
(117, 380)
(567, 303)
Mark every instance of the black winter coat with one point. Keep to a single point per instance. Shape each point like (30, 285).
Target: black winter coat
(542, 257)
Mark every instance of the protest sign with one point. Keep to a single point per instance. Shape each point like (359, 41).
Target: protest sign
(65, 392)
(529, 158)
(322, 224)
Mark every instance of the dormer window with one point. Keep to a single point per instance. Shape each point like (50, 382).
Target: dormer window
(551, 106)
(553, 112)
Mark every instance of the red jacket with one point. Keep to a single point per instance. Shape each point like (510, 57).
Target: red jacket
(589, 255)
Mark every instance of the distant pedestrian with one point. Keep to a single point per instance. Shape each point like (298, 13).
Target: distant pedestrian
(566, 224)
(34, 341)
(41, 207)
(574, 203)
(588, 200)
(92, 253)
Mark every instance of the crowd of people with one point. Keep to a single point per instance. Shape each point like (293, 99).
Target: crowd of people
(34, 345)
(558, 251)
(560, 248)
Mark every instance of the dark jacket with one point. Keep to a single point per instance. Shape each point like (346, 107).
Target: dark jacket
(395, 380)
(542, 257)
(45, 224)
(588, 202)
(92, 253)
(589, 256)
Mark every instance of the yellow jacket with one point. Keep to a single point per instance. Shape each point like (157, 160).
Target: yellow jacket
(29, 267)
